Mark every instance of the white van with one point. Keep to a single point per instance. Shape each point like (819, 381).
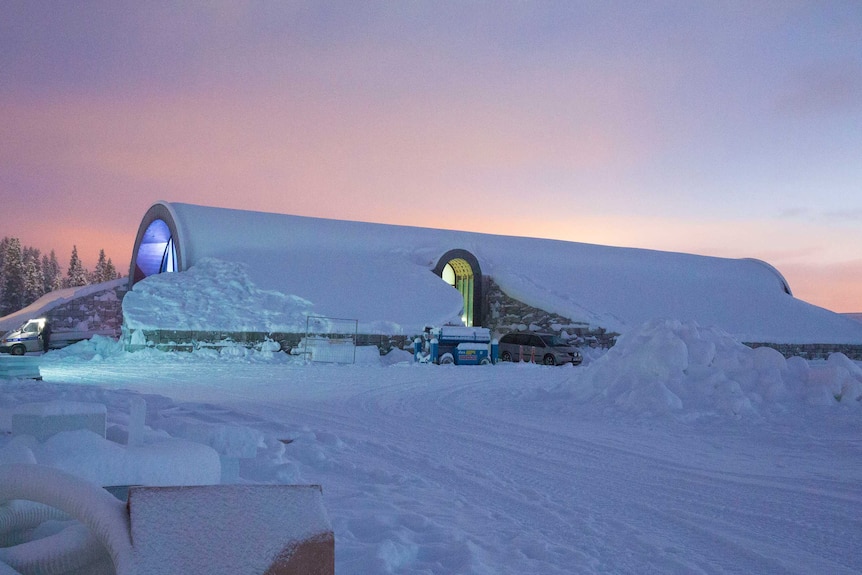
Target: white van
(25, 339)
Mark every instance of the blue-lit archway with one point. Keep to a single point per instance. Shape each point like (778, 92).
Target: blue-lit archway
(156, 249)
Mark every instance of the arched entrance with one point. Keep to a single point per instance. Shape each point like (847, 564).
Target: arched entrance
(156, 249)
(460, 269)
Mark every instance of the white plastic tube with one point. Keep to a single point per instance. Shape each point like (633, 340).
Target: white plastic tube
(104, 515)
(68, 551)
(18, 516)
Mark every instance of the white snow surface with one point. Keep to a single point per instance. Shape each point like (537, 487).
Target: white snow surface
(282, 266)
(677, 451)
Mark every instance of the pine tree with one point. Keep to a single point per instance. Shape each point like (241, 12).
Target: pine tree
(33, 279)
(13, 278)
(77, 274)
(4, 244)
(105, 270)
(111, 272)
(52, 275)
(99, 273)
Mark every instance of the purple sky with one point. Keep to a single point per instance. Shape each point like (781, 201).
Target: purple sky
(720, 128)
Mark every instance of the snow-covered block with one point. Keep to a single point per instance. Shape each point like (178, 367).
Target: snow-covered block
(43, 420)
(170, 461)
(19, 367)
(231, 529)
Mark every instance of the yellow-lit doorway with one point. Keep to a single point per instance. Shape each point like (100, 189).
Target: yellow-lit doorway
(460, 269)
(458, 274)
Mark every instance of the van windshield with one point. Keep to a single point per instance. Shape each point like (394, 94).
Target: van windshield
(554, 341)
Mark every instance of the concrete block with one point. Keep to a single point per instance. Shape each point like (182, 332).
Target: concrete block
(42, 420)
(231, 529)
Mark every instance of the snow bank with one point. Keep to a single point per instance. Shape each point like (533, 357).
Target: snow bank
(674, 367)
(171, 461)
(213, 295)
(87, 455)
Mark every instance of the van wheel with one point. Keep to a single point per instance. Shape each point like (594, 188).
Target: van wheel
(18, 350)
(549, 360)
(506, 356)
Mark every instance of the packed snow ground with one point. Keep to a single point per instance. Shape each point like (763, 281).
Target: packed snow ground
(678, 451)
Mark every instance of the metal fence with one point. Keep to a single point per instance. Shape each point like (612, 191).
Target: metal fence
(330, 339)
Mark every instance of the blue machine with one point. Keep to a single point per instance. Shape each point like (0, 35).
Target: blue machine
(456, 344)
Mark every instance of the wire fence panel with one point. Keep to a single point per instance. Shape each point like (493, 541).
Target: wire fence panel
(330, 339)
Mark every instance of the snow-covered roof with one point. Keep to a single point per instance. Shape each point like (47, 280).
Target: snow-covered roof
(381, 275)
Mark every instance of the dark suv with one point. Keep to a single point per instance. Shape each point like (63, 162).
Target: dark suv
(538, 347)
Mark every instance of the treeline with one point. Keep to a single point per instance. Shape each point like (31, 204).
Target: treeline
(26, 274)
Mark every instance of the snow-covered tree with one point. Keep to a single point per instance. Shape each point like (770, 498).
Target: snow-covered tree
(105, 270)
(13, 277)
(34, 283)
(77, 274)
(52, 275)
(98, 275)
(4, 243)
(111, 272)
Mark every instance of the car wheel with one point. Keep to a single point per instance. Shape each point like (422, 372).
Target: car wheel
(18, 350)
(549, 360)
(506, 356)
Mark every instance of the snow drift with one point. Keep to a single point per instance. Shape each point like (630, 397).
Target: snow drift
(674, 367)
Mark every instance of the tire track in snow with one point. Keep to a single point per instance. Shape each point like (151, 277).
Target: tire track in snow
(430, 473)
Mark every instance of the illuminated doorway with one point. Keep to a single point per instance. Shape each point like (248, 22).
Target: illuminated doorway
(156, 248)
(460, 269)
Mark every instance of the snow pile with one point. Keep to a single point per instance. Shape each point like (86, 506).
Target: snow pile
(213, 295)
(673, 367)
(220, 295)
(84, 454)
(96, 348)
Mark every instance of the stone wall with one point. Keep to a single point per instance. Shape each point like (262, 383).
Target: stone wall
(97, 313)
(180, 340)
(506, 314)
(813, 350)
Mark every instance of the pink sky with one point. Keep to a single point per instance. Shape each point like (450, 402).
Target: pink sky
(725, 130)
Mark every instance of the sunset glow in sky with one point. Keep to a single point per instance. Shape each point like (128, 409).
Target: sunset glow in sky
(727, 128)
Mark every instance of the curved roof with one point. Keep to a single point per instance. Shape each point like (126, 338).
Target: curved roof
(381, 274)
